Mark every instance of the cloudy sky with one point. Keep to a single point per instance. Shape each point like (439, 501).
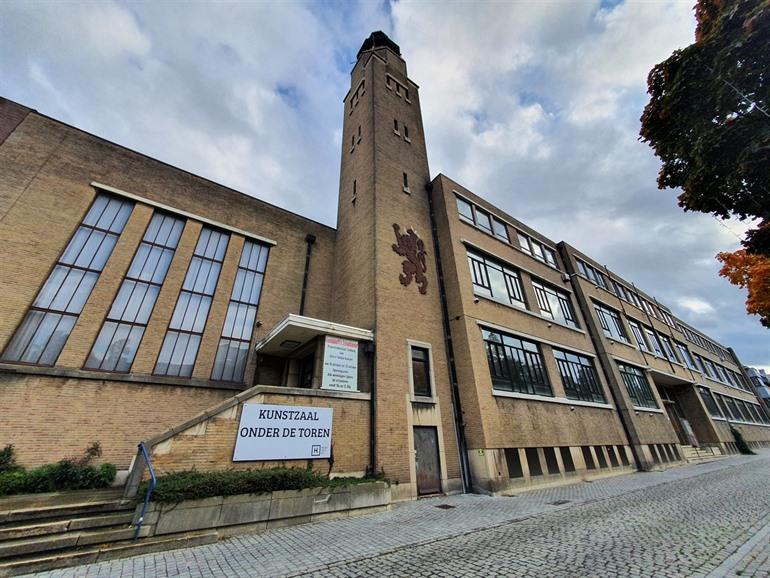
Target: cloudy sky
(533, 105)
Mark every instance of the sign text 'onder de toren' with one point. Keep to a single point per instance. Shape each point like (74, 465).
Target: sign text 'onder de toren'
(283, 432)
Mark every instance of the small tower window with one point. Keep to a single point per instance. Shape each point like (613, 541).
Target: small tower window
(406, 133)
(352, 142)
(406, 183)
(395, 126)
(354, 192)
(359, 133)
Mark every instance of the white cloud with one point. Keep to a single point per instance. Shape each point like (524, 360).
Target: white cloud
(696, 305)
(534, 106)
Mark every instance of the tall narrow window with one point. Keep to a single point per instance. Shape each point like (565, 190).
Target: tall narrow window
(554, 304)
(241, 314)
(180, 347)
(668, 349)
(657, 348)
(637, 386)
(515, 364)
(579, 377)
(636, 329)
(494, 280)
(116, 345)
(406, 133)
(421, 371)
(49, 321)
(395, 125)
(406, 183)
(685, 353)
(708, 401)
(610, 322)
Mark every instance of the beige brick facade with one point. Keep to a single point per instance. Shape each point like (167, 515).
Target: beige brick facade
(490, 435)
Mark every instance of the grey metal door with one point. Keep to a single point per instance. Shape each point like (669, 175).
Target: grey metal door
(427, 460)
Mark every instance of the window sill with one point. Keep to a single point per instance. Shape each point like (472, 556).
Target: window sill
(648, 409)
(423, 400)
(528, 312)
(739, 422)
(141, 378)
(406, 190)
(407, 139)
(559, 400)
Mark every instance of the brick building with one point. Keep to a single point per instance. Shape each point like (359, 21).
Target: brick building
(144, 303)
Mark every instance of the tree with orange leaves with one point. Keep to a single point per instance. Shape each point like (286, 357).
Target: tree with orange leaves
(750, 271)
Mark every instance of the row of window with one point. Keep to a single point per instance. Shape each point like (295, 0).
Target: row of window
(704, 343)
(501, 282)
(630, 296)
(517, 365)
(621, 291)
(723, 406)
(490, 224)
(662, 346)
(42, 334)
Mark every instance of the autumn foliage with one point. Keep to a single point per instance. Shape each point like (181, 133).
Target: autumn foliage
(708, 121)
(750, 271)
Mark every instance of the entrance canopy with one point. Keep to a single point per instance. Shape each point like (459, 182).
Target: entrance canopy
(296, 330)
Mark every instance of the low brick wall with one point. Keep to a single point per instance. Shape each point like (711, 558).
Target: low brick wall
(250, 512)
(207, 441)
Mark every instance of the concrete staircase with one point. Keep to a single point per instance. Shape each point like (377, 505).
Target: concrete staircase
(46, 531)
(694, 454)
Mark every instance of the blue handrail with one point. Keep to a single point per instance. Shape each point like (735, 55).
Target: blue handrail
(150, 488)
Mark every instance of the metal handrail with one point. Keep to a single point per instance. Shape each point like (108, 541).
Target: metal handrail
(150, 488)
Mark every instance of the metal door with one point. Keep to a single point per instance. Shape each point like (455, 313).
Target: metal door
(427, 461)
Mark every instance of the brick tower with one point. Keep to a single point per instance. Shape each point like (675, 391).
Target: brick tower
(386, 273)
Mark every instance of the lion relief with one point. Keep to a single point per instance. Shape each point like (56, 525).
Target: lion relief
(409, 245)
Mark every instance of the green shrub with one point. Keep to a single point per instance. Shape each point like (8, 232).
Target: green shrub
(8, 459)
(13, 482)
(740, 442)
(195, 485)
(68, 474)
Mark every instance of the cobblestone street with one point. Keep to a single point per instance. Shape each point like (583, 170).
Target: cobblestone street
(711, 519)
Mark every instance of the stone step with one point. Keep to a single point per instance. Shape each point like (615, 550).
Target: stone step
(20, 530)
(87, 555)
(52, 513)
(74, 539)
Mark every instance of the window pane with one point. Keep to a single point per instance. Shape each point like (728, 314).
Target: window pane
(482, 220)
(421, 372)
(464, 208)
(500, 229)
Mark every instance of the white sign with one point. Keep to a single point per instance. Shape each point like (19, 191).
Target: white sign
(340, 364)
(283, 432)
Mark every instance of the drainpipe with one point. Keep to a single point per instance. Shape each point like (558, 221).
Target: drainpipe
(310, 240)
(369, 351)
(459, 421)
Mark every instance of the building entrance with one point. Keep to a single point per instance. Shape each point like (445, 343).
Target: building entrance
(427, 465)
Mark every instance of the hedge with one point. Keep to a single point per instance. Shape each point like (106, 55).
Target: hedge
(68, 474)
(195, 485)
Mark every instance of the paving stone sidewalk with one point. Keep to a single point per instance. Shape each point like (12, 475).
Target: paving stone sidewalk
(686, 521)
